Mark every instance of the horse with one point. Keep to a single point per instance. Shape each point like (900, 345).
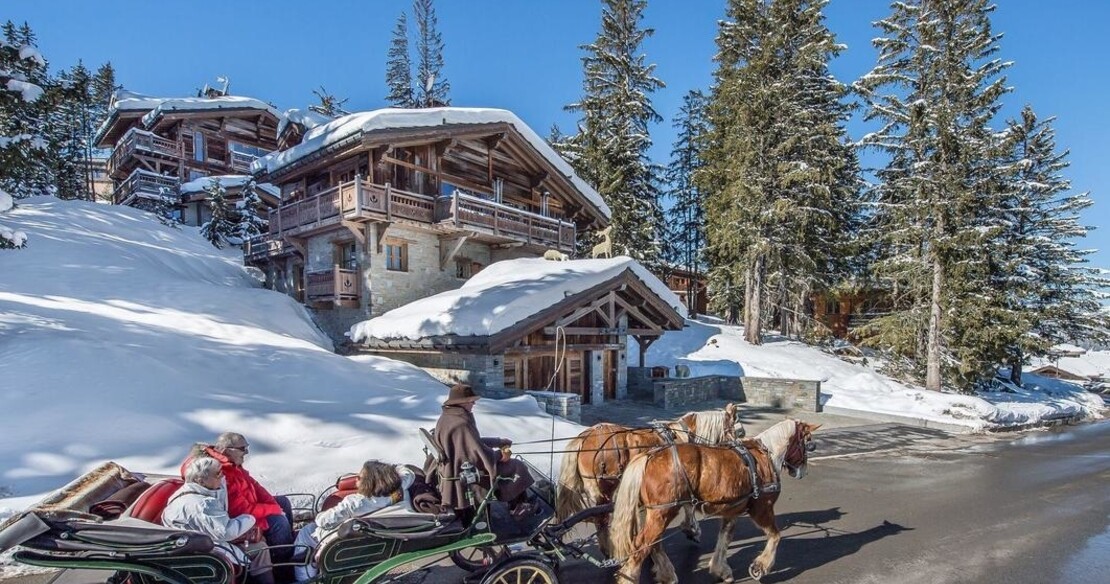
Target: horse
(606, 246)
(722, 481)
(595, 459)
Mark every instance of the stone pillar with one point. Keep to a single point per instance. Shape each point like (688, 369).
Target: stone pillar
(597, 376)
(622, 360)
(493, 371)
(365, 256)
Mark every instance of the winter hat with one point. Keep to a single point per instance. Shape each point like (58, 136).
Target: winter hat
(460, 394)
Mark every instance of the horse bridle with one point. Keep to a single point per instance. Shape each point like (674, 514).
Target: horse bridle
(799, 447)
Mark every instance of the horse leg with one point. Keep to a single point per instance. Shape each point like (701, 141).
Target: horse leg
(655, 523)
(718, 564)
(763, 515)
(664, 569)
(594, 497)
(690, 525)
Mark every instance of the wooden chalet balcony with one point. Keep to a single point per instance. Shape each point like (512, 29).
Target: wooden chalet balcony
(361, 201)
(337, 285)
(265, 246)
(140, 141)
(143, 183)
(241, 162)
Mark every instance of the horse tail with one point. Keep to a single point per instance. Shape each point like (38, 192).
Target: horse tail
(569, 499)
(626, 510)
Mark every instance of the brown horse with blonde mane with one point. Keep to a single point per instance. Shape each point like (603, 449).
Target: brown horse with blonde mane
(721, 481)
(594, 461)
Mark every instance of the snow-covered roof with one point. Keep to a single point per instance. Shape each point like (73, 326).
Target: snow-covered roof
(130, 101)
(502, 295)
(305, 117)
(350, 125)
(228, 181)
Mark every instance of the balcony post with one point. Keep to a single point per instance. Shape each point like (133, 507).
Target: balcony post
(388, 199)
(358, 195)
(455, 208)
(335, 285)
(318, 213)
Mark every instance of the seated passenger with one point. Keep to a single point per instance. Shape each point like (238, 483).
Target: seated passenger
(201, 505)
(380, 485)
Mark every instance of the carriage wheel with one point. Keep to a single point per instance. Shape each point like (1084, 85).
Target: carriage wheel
(522, 571)
(479, 559)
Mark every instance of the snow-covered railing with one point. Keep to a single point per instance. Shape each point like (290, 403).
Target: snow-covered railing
(470, 211)
(241, 161)
(141, 140)
(145, 183)
(335, 285)
(264, 246)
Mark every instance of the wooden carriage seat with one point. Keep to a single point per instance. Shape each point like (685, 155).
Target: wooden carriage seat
(344, 485)
(148, 507)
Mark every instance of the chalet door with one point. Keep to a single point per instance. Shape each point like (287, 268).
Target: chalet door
(609, 363)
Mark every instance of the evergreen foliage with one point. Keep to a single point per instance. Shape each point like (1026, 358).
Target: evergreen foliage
(247, 210)
(398, 72)
(432, 88)
(221, 226)
(164, 208)
(610, 148)
(686, 217)
(781, 182)
(935, 90)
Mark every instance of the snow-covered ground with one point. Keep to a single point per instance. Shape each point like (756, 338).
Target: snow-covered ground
(721, 349)
(122, 339)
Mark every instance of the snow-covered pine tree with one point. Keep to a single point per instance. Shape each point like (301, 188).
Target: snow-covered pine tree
(248, 211)
(613, 139)
(221, 226)
(686, 216)
(782, 184)
(71, 132)
(934, 91)
(24, 168)
(1051, 296)
(164, 208)
(432, 88)
(329, 105)
(398, 70)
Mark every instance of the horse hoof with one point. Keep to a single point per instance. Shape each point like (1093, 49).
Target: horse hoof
(755, 572)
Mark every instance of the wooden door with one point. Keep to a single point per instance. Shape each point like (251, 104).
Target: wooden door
(609, 364)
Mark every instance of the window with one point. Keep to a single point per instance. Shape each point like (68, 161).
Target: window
(397, 257)
(199, 153)
(462, 268)
(247, 149)
(348, 256)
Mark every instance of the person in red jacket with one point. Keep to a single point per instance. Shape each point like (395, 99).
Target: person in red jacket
(273, 515)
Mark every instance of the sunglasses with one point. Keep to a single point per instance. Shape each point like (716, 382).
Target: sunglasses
(243, 449)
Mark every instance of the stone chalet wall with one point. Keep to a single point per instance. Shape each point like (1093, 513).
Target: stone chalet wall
(677, 393)
(564, 405)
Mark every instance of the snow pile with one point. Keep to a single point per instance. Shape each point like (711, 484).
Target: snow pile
(353, 125)
(502, 295)
(304, 117)
(709, 349)
(14, 237)
(122, 339)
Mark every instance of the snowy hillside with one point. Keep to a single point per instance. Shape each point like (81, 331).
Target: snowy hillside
(122, 339)
(721, 349)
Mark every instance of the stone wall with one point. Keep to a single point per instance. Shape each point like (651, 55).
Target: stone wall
(564, 405)
(670, 392)
(335, 322)
(485, 373)
(794, 394)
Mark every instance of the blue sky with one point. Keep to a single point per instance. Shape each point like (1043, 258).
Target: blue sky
(524, 55)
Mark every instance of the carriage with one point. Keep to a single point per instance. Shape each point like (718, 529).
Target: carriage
(109, 520)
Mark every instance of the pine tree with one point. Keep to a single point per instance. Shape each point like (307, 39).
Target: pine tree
(432, 88)
(248, 212)
(934, 201)
(24, 168)
(1050, 297)
(329, 105)
(781, 182)
(221, 226)
(164, 208)
(686, 216)
(612, 141)
(398, 72)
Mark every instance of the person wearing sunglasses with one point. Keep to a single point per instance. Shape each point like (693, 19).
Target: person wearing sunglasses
(273, 515)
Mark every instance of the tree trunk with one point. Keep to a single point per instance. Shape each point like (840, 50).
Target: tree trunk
(753, 331)
(932, 357)
(784, 313)
(747, 299)
(1015, 367)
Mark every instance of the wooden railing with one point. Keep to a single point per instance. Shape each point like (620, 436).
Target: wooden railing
(144, 181)
(136, 139)
(359, 199)
(503, 220)
(241, 161)
(333, 285)
(265, 246)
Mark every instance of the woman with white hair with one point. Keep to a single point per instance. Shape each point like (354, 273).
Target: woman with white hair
(201, 505)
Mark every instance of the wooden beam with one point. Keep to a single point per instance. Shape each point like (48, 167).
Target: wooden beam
(587, 330)
(443, 147)
(380, 229)
(550, 349)
(493, 141)
(583, 311)
(537, 179)
(448, 247)
(632, 311)
(355, 228)
(298, 244)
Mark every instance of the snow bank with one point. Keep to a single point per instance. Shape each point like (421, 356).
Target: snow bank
(227, 181)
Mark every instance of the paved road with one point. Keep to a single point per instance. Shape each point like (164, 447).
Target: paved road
(889, 503)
